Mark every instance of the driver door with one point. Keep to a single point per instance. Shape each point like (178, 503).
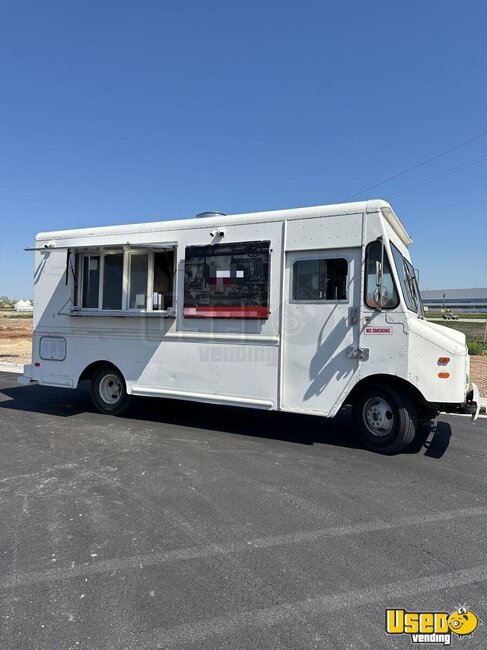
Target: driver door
(320, 327)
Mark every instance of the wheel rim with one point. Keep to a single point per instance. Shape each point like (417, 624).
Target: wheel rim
(378, 416)
(110, 389)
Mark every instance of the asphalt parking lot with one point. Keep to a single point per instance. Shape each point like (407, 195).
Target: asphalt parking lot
(192, 526)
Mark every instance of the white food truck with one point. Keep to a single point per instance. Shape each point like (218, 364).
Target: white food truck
(302, 310)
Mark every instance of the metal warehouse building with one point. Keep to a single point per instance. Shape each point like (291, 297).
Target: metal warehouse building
(456, 299)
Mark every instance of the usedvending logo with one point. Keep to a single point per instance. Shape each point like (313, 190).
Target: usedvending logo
(432, 627)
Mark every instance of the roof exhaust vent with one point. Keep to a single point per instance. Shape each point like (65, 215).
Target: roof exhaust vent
(206, 215)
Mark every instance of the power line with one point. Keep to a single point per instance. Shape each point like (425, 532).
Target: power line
(424, 162)
(448, 172)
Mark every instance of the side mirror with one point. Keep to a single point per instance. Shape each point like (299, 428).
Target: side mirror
(381, 296)
(378, 274)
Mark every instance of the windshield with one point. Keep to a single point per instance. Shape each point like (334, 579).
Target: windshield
(409, 282)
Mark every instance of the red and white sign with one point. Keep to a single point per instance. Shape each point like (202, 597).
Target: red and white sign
(226, 312)
(378, 329)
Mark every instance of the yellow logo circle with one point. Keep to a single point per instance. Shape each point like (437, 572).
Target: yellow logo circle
(463, 621)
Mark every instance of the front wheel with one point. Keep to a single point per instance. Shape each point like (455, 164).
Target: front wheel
(385, 419)
(108, 391)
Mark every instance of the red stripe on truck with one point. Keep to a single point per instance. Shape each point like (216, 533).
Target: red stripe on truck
(226, 312)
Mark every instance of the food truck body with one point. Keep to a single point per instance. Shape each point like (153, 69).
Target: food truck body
(301, 310)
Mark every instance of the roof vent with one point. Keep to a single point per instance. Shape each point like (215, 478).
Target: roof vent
(205, 215)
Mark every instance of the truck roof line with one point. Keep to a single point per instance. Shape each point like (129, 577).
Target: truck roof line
(240, 218)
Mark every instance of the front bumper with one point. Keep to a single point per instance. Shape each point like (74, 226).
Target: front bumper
(471, 405)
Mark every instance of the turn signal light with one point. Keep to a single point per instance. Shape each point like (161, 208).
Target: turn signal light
(442, 361)
(443, 375)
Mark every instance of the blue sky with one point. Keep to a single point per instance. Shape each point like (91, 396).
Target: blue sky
(117, 112)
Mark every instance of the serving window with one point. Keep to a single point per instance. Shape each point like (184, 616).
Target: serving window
(127, 280)
(227, 280)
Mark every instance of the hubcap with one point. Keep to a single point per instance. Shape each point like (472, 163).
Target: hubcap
(378, 416)
(110, 389)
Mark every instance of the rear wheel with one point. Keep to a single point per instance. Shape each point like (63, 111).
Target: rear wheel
(108, 391)
(385, 419)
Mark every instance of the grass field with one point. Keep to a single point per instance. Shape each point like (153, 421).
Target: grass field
(11, 313)
(473, 316)
(475, 333)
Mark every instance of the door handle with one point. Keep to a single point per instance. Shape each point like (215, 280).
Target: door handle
(353, 315)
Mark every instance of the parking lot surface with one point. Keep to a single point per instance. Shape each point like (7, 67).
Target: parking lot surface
(193, 526)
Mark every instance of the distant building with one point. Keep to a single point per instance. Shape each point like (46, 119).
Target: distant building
(24, 305)
(455, 299)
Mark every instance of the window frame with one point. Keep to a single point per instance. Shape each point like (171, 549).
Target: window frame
(126, 265)
(296, 301)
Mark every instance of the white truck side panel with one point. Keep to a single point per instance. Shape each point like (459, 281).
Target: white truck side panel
(243, 361)
(222, 357)
(324, 232)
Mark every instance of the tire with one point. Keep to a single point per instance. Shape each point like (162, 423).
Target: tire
(108, 391)
(385, 420)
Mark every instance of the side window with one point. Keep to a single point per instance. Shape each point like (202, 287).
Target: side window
(91, 281)
(320, 279)
(149, 280)
(138, 276)
(112, 281)
(227, 280)
(162, 288)
(374, 254)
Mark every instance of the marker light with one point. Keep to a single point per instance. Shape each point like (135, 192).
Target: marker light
(443, 375)
(442, 361)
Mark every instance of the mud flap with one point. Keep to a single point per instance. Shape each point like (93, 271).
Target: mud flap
(472, 405)
(25, 378)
